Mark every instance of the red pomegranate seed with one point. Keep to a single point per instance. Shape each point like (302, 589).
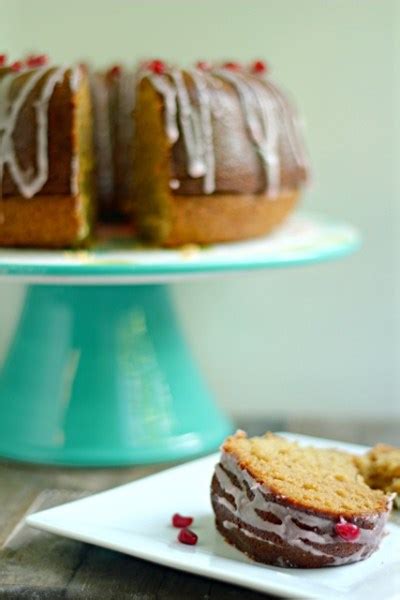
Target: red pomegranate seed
(37, 60)
(17, 65)
(181, 521)
(3, 59)
(115, 71)
(347, 531)
(259, 67)
(187, 536)
(157, 66)
(232, 66)
(203, 65)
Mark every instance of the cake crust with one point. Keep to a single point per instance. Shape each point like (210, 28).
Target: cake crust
(225, 217)
(42, 221)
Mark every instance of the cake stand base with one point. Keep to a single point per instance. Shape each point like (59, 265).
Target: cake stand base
(101, 376)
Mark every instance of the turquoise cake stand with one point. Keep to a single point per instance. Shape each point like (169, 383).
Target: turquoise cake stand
(97, 371)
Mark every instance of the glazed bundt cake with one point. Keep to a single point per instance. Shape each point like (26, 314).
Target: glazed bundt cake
(219, 154)
(294, 506)
(203, 155)
(46, 157)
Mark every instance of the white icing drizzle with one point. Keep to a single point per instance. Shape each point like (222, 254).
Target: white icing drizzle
(219, 101)
(269, 147)
(268, 117)
(195, 122)
(203, 95)
(261, 119)
(174, 184)
(31, 181)
(288, 530)
(75, 79)
(167, 90)
(189, 121)
(291, 123)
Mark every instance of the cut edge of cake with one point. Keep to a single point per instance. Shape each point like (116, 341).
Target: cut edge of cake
(48, 198)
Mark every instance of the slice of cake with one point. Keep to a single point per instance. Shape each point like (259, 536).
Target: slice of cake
(292, 506)
(219, 153)
(46, 156)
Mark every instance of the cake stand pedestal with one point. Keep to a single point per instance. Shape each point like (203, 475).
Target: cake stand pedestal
(98, 373)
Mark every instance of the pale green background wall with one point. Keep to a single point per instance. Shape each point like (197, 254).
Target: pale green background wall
(320, 339)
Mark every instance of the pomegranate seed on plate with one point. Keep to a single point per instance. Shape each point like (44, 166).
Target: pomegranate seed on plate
(181, 521)
(187, 536)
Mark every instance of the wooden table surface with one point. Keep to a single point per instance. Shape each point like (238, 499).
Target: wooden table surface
(35, 565)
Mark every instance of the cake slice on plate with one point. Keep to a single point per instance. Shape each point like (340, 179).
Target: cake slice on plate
(294, 506)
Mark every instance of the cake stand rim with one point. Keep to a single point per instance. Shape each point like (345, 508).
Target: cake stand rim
(327, 239)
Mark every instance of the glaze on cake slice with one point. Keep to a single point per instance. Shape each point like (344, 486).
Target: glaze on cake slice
(291, 506)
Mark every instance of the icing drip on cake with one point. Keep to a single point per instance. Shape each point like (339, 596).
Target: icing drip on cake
(190, 125)
(30, 181)
(260, 113)
(291, 123)
(195, 122)
(167, 90)
(203, 95)
(75, 79)
(249, 502)
(192, 100)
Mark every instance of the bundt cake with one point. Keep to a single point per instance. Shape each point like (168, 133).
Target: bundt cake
(219, 153)
(46, 156)
(203, 155)
(294, 506)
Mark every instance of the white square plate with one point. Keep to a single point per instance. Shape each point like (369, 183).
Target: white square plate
(135, 519)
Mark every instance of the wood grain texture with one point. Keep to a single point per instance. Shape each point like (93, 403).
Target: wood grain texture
(39, 566)
(221, 591)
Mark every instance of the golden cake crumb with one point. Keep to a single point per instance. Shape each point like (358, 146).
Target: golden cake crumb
(380, 468)
(325, 480)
